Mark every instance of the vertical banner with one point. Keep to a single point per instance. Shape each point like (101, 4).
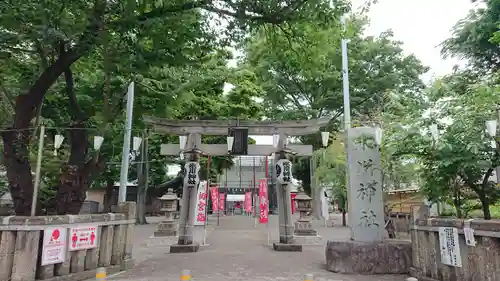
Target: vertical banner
(248, 202)
(263, 202)
(222, 199)
(292, 198)
(201, 204)
(214, 195)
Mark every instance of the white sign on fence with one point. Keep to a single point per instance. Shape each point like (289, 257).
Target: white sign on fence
(201, 204)
(450, 249)
(469, 234)
(54, 245)
(83, 237)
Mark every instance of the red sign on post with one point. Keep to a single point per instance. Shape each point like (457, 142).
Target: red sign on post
(214, 194)
(248, 202)
(222, 199)
(292, 198)
(263, 202)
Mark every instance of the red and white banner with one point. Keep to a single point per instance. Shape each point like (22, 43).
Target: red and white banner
(214, 195)
(292, 198)
(222, 199)
(201, 204)
(263, 202)
(248, 202)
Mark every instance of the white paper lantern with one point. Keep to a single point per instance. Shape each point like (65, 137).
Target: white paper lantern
(182, 142)
(276, 139)
(230, 142)
(136, 143)
(58, 140)
(324, 138)
(98, 142)
(434, 131)
(491, 128)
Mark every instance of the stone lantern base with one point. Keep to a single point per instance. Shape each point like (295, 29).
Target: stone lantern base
(304, 228)
(166, 228)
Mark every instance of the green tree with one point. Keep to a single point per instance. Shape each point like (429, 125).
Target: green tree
(98, 52)
(331, 173)
(476, 38)
(299, 69)
(462, 159)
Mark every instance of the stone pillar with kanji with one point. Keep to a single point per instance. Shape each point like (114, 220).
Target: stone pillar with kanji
(189, 197)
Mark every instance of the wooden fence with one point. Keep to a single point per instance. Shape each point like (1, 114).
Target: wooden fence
(480, 262)
(82, 242)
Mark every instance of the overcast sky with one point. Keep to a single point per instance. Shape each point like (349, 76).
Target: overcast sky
(420, 24)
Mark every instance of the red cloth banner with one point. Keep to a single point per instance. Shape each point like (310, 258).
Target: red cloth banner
(248, 202)
(292, 198)
(263, 201)
(222, 199)
(214, 194)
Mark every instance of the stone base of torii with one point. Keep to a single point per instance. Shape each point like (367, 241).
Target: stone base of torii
(194, 129)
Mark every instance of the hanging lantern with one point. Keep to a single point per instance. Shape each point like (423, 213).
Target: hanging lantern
(276, 139)
(324, 138)
(491, 128)
(136, 143)
(230, 142)
(434, 131)
(98, 142)
(182, 145)
(58, 140)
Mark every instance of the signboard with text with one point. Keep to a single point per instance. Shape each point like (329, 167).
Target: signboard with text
(83, 237)
(201, 204)
(449, 245)
(54, 245)
(214, 195)
(263, 202)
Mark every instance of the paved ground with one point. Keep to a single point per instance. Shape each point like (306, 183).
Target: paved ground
(237, 250)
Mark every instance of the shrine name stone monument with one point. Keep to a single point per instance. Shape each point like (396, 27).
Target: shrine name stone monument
(369, 251)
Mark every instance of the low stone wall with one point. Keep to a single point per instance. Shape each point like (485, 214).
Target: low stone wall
(480, 262)
(22, 243)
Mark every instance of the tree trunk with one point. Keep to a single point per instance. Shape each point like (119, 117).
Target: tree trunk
(108, 196)
(75, 174)
(485, 205)
(18, 168)
(344, 219)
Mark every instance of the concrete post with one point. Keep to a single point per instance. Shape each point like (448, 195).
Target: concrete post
(185, 243)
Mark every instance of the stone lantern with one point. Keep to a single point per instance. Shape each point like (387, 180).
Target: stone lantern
(168, 227)
(303, 225)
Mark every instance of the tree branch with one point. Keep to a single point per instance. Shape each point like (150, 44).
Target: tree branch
(487, 177)
(27, 103)
(74, 108)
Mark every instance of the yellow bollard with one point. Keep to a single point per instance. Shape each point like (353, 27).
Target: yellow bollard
(185, 274)
(100, 274)
(308, 277)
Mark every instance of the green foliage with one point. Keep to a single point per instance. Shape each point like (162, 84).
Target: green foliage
(299, 69)
(462, 158)
(331, 171)
(476, 38)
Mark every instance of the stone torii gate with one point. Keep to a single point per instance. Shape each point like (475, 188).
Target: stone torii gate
(194, 129)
